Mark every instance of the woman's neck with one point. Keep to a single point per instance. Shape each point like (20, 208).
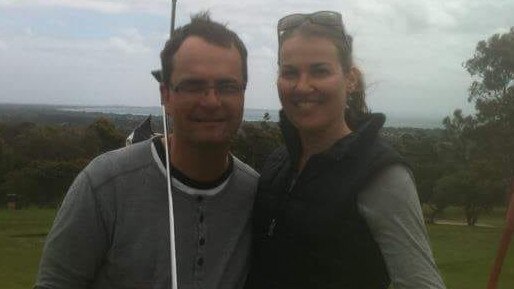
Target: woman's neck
(314, 142)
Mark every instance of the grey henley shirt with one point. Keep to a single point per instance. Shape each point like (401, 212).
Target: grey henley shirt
(112, 230)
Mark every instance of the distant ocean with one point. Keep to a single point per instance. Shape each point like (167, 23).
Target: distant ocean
(252, 114)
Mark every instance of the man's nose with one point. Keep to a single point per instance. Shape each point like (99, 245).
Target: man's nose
(211, 97)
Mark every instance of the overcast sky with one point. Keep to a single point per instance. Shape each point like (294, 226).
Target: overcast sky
(101, 52)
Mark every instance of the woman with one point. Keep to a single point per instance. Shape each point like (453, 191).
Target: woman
(336, 207)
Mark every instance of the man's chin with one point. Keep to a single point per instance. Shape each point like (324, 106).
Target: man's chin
(211, 145)
(212, 141)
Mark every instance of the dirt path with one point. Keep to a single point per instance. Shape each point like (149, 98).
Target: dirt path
(457, 223)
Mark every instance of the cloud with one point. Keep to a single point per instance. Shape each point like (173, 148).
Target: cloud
(58, 46)
(115, 70)
(96, 5)
(131, 41)
(126, 46)
(101, 51)
(102, 6)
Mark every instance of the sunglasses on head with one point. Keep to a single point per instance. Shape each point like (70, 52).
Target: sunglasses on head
(330, 19)
(324, 18)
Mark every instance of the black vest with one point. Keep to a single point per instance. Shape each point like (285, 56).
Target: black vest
(308, 232)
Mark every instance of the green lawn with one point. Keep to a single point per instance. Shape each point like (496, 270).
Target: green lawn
(464, 254)
(21, 241)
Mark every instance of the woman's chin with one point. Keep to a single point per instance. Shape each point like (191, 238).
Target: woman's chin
(309, 125)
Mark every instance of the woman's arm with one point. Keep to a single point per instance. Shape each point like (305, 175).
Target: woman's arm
(391, 207)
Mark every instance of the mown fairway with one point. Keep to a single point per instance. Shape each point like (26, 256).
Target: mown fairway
(464, 254)
(21, 242)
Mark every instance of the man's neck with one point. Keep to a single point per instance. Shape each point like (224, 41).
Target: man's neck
(199, 163)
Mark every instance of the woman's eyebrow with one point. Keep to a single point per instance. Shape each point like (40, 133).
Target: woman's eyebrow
(287, 66)
(319, 65)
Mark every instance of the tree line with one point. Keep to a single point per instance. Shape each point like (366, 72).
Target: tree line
(39, 162)
(468, 163)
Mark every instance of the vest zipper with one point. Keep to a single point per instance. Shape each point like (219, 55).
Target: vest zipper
(271, 228)
(273, 224)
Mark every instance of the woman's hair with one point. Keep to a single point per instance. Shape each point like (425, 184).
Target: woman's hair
(356, 108)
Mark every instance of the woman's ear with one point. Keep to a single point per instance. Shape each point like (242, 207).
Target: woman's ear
(352, 80)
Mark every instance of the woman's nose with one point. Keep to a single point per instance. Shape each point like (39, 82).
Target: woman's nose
(303, 84)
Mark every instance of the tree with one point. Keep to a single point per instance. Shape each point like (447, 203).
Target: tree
(418, 146)
(457, 144)
(255, 141)
(102, 136)
(48, 143)
(42, 183)
(492, 91)
(7, 163)
(462, 188)
(470, 180)
(39, 162)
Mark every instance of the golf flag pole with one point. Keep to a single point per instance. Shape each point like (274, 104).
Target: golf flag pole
(504, 243)
(173, 10)
(173, 255)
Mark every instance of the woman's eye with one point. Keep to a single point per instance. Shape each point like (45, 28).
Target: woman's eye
(320, 72)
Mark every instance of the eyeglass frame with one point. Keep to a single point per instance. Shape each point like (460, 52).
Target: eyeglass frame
(204, 90)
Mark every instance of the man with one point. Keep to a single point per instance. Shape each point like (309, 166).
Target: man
(112, 230)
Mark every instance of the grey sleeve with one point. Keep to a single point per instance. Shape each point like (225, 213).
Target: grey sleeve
(391, 208)
(75, 245)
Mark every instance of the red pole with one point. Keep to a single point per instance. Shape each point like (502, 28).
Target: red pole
(504, 244)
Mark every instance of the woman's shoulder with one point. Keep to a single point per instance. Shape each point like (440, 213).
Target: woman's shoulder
(391, 193)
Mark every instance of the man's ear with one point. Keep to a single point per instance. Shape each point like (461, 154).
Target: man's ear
(166, 97)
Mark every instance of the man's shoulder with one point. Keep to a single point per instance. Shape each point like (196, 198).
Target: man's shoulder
(118, 162)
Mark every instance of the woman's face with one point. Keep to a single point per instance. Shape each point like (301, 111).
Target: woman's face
(311, 83)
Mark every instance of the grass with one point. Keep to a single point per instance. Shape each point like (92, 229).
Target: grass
(21, 242)
(464, 254)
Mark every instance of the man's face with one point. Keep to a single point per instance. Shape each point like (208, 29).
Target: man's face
(206, 95)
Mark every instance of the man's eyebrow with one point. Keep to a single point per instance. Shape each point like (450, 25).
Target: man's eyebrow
(192, 80)
(227, 80)
(202, 81)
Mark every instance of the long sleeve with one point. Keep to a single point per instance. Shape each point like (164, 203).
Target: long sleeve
(76, 244)
(391, 208)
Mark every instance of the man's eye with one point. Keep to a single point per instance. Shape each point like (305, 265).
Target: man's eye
(191, 86)
(229, 88)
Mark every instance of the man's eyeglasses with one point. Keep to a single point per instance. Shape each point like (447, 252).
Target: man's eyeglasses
(324, 18)
(200, 88)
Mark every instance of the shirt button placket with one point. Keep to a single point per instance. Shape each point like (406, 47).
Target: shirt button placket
(200, 261)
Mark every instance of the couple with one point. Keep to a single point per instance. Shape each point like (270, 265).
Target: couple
(334, 208)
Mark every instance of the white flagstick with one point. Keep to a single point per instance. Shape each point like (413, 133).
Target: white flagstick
(173, 257)
(173, 252)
